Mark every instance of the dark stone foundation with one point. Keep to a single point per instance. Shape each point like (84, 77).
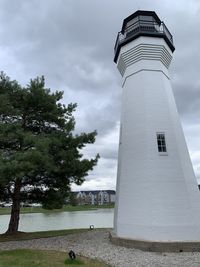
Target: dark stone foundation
(156, 246)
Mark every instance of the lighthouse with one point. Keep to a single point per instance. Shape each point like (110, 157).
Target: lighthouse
(157, 201)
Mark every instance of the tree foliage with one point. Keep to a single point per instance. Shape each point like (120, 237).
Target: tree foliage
(40, 156)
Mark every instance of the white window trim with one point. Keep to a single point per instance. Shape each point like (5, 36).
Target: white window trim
(164, 153)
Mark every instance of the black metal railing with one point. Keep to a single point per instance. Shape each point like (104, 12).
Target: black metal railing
(143, 27)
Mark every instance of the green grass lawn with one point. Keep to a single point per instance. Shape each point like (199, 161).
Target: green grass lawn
(4, 211)
(43, 234)
(38, 258)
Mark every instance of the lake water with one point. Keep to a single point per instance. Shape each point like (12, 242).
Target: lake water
(32, 222)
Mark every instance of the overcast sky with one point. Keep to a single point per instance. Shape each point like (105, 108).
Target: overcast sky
(71, 43)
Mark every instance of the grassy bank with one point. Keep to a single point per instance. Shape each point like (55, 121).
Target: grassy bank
(4, 211)
(38, 258)
(43, 234)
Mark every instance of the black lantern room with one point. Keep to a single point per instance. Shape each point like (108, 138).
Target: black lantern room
(142, 23)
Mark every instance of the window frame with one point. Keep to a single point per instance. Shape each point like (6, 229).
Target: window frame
(161, 143)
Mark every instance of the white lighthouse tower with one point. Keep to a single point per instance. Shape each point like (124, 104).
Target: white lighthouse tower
(158, 201)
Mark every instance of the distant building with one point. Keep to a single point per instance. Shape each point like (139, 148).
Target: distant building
(95, 197)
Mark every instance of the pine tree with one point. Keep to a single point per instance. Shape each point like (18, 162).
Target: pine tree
(39, 153)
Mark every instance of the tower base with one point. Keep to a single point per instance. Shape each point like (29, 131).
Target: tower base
(156, 246)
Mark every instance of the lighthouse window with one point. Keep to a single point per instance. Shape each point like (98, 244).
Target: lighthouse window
(120, 135)
(161, 142)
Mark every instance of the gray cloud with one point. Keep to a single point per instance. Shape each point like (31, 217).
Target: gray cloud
(71, 44)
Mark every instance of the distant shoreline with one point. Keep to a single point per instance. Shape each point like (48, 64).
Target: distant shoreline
(67, 208)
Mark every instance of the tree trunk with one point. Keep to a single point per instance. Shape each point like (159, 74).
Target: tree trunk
(15, 211)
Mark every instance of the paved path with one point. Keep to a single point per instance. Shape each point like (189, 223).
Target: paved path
(96, 244)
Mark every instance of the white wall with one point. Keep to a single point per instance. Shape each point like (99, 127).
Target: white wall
(157, 195)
